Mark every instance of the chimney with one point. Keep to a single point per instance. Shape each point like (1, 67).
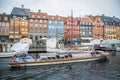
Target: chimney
(39, 10)
(103, 14)
(4, 13)
(22, 6)
(113, 16)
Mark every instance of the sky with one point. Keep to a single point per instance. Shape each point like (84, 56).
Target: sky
(64, 7)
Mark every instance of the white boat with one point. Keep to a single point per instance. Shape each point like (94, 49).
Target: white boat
(53, 45)
(56, 58)
(110, 44)
(7, 54)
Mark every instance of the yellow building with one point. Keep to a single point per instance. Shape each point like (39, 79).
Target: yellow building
(110, 27)
(18, 28)
(118, 32)
(110, 31)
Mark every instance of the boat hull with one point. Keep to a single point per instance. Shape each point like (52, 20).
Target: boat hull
(50, 62)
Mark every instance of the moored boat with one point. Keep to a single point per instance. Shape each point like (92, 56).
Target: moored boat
(56, 58)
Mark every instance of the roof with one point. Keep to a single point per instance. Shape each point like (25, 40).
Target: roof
(36, 14)
(20, 11)
(106, 19)
(116, 19)
(55, 17)
(84, 19)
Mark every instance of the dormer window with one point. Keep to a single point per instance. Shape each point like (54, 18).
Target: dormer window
(38, 16)
(24, 17)
(5, 18)
(44, 16)
(33, 16)
(52, 17)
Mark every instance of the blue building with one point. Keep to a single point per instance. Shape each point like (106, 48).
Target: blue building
(55, 26)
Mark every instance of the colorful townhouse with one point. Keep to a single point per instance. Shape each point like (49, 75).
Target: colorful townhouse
(4, 26)
(117, 25)
(97, 28)
(19, 23)
(55, 26)
(85, 25)
(38, 25)
(72, 30)
(109, 27)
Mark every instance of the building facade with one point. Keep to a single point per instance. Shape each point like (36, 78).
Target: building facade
(85, 25)
(4, 26)
(38, 25)
(109, 27)
(98, 28)
(19, 23)
(117, 26)
(18, 28)
(72, 30)
(55, 26)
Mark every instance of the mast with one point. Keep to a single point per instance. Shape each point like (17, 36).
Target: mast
(71, 26)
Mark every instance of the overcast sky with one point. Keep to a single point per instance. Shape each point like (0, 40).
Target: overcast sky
(63, 7)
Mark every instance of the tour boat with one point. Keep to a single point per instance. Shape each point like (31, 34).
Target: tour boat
(56, 58)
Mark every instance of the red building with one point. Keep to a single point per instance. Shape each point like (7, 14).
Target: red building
(72, 29)
(4, 26)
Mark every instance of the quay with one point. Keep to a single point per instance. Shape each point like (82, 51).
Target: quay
(6, 47)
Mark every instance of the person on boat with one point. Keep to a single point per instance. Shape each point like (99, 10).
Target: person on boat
(37, 55)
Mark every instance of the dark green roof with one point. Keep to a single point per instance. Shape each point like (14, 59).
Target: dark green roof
(20, 11)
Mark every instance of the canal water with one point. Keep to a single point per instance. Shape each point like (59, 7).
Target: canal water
(94, 70)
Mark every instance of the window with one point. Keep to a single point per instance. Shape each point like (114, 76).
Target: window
(44, 16)
(22, 29)
(26, 23)
(38, 16)
(50, 21)
(33, 16)
(41, 25)
(36, 20)
(40, 21)
(14, 17)
(45, 21)
(5, 18)
(24, 17)
(31, 20)
(23, 23)
(36, 25)
(7, 24)
(31, 37)
(0, 23)
(45, 26)
(53, 17)
(3, 24)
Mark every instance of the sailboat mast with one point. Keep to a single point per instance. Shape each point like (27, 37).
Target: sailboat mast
(71, 26)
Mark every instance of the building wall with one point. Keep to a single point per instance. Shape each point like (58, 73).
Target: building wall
(55, 28)
(118, 32)
(4, 26)
(98, 28)
(18, 28)
(38, 25)
(72, 28)
(110, 31)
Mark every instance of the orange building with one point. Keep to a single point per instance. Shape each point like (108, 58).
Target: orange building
(19, 22)
(98, 27)
(18, 28)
